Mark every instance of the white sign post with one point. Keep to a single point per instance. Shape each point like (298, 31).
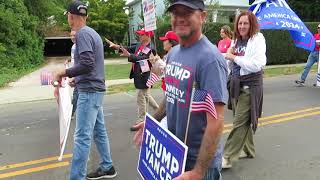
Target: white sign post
(65, 112)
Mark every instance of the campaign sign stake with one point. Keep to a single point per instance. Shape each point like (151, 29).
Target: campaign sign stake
(162, 155)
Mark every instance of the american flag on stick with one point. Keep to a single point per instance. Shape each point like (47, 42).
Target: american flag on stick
(202, 102)
(152, 79)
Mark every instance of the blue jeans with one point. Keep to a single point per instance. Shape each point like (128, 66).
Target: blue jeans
(89, 122)
(313, 58)
(212, 174)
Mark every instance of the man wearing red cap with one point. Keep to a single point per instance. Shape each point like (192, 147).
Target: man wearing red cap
(138, 55)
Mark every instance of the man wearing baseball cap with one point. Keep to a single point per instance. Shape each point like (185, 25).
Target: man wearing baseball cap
(312, 58)
(77, 8)
(202, 64)
(88, 71)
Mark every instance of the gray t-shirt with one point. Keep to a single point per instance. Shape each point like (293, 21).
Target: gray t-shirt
(240, 50)
(203, 63)
(90, 42)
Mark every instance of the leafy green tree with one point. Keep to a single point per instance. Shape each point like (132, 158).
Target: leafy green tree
(20, 44)
(109, 19)
(48, 12)
(307, 10)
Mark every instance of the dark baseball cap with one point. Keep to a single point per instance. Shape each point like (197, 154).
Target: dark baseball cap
(193, 4)
(77, 8)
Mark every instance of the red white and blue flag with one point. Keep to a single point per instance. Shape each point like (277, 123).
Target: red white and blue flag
(152, 79)
(202, 102)
(46, 78)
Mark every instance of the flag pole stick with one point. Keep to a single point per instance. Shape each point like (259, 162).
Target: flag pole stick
(318, 74)
(189, 114)
(155, 42)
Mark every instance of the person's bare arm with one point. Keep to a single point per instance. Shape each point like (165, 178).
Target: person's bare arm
(208, 147)
(161, 111)
(210, 140)
(112, 45)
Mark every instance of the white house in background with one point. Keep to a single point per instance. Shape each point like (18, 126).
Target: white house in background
(227, 9)
(225, 12)
(136, 20)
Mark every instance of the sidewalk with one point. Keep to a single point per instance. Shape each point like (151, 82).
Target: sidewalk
(28, 88)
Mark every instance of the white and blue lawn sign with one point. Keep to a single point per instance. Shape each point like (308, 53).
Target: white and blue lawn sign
(276, 14)
(162, 155)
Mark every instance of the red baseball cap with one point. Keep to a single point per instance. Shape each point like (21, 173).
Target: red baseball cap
(170, 35)
(143, 32)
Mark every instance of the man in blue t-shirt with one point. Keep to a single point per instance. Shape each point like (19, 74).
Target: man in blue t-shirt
(198, 61)
(88, 71)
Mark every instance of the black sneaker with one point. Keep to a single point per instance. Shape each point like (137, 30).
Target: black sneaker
(99, 174)
(299, 82)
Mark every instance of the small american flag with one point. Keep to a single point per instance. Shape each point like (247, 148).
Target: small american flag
(146, 50)
(46, 78)
(202, 101)
(152, 79)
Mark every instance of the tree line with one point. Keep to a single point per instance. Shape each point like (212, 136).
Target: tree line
(24, 23)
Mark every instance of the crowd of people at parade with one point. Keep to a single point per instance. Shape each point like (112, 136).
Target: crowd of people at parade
(231, 73)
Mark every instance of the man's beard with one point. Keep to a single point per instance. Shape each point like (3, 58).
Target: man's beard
(187, 36)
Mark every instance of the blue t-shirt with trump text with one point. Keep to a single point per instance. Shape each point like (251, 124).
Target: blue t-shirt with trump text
(201, 63)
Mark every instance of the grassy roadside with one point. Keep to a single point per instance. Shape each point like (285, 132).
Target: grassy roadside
(279, 71)
(117, 71)
(120, 74)
(10, 75)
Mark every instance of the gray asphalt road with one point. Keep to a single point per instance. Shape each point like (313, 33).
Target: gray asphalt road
(287, 145)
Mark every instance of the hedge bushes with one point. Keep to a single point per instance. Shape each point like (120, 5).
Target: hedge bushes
(21, 47)
(280, 48)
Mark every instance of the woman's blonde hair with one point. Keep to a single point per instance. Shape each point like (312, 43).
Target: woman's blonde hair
(227, 31)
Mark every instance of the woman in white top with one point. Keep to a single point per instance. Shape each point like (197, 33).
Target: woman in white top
(248, 56)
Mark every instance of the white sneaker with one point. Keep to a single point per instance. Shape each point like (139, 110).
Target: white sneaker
(226, 164)
(243, 155)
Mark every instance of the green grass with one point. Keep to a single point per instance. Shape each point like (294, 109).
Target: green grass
(10, 75)
(117, 71)
(121, 71)
(127, 87)
(272, 72)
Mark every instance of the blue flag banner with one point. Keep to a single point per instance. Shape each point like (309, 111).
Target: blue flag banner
(162, 155)
(276, 14)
